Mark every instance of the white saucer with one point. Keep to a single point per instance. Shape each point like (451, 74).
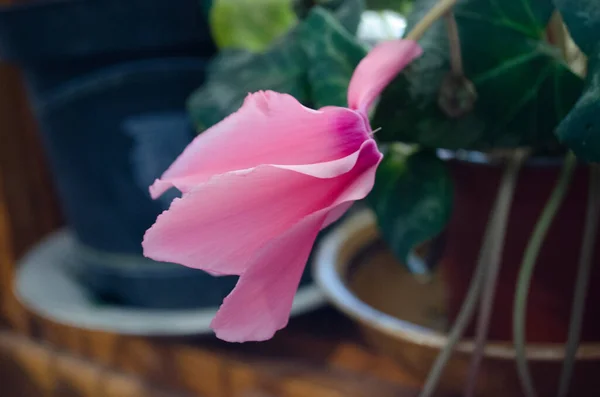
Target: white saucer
(44, 285)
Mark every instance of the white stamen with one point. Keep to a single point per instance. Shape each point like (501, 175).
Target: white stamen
(375, 131)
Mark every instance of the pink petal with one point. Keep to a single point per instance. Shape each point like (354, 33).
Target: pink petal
(377, 70)
(260, 303)
(336, 214)
(218, 225)
(270, 128)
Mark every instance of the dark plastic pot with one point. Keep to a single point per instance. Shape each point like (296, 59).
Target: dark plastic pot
(56, 40)
(108, 81)
(551, 292)
(109, 134)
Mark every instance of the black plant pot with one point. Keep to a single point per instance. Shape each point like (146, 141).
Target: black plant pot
(56, 40)
(108, 80)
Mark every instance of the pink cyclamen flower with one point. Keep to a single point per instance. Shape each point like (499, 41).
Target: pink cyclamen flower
(259, 186)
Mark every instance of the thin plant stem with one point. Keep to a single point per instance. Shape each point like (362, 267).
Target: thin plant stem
(583, 277)
(494, 259)
(494, 231)
(456, 63)
(436, 12)
(456, 333)
(526, 271)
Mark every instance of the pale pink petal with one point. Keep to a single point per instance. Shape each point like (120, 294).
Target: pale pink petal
(221, 223)
(336, 214)
(378, 69)
(260, 303)
(333, 168)
(270, 128)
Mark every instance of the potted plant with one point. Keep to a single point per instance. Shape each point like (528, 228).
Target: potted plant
(498, 176)
(489, 143)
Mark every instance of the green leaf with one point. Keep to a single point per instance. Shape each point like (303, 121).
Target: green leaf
(250, 24)
(580, 130)
(347, 12)
(582, 18)
(412, 199)
(284, 67)
(401, 6)
(523, 87)
(332, 56)
(234, 74)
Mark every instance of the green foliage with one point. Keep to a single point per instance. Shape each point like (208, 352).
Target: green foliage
(412, 198)
(523, 92)
(347, 12)
(580, 130)
(523, 87)
(401, 6)
(332, 56)
(250, 24)
(313, 62)
(235, 74)
(582, 18)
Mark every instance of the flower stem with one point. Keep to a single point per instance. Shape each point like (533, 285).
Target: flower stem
(493, 235)
(456, 63)
(436, 12)
(494, 258)
(526, 271)
(462, 320)
(583, 277)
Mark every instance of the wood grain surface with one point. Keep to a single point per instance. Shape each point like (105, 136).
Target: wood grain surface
(98, 364)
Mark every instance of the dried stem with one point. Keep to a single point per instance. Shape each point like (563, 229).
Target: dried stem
(454, 43)
(583, 277)
(493, 234)
(436, 12)
(526, 272)
(493, 258)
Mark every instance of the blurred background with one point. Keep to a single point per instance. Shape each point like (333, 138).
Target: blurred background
(97, 98)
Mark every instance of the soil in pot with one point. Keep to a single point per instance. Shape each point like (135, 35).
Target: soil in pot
(377, 278)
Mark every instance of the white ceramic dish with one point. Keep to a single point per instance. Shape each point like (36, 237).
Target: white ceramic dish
(44, 285)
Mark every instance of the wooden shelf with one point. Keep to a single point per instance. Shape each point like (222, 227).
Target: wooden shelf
(312, 358)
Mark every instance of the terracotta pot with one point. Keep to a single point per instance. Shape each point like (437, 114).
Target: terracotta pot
(403, 317)
(550, 295)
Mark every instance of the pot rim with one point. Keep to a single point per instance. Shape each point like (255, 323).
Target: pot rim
(332, 261)
(80, 29)
(494, 160)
